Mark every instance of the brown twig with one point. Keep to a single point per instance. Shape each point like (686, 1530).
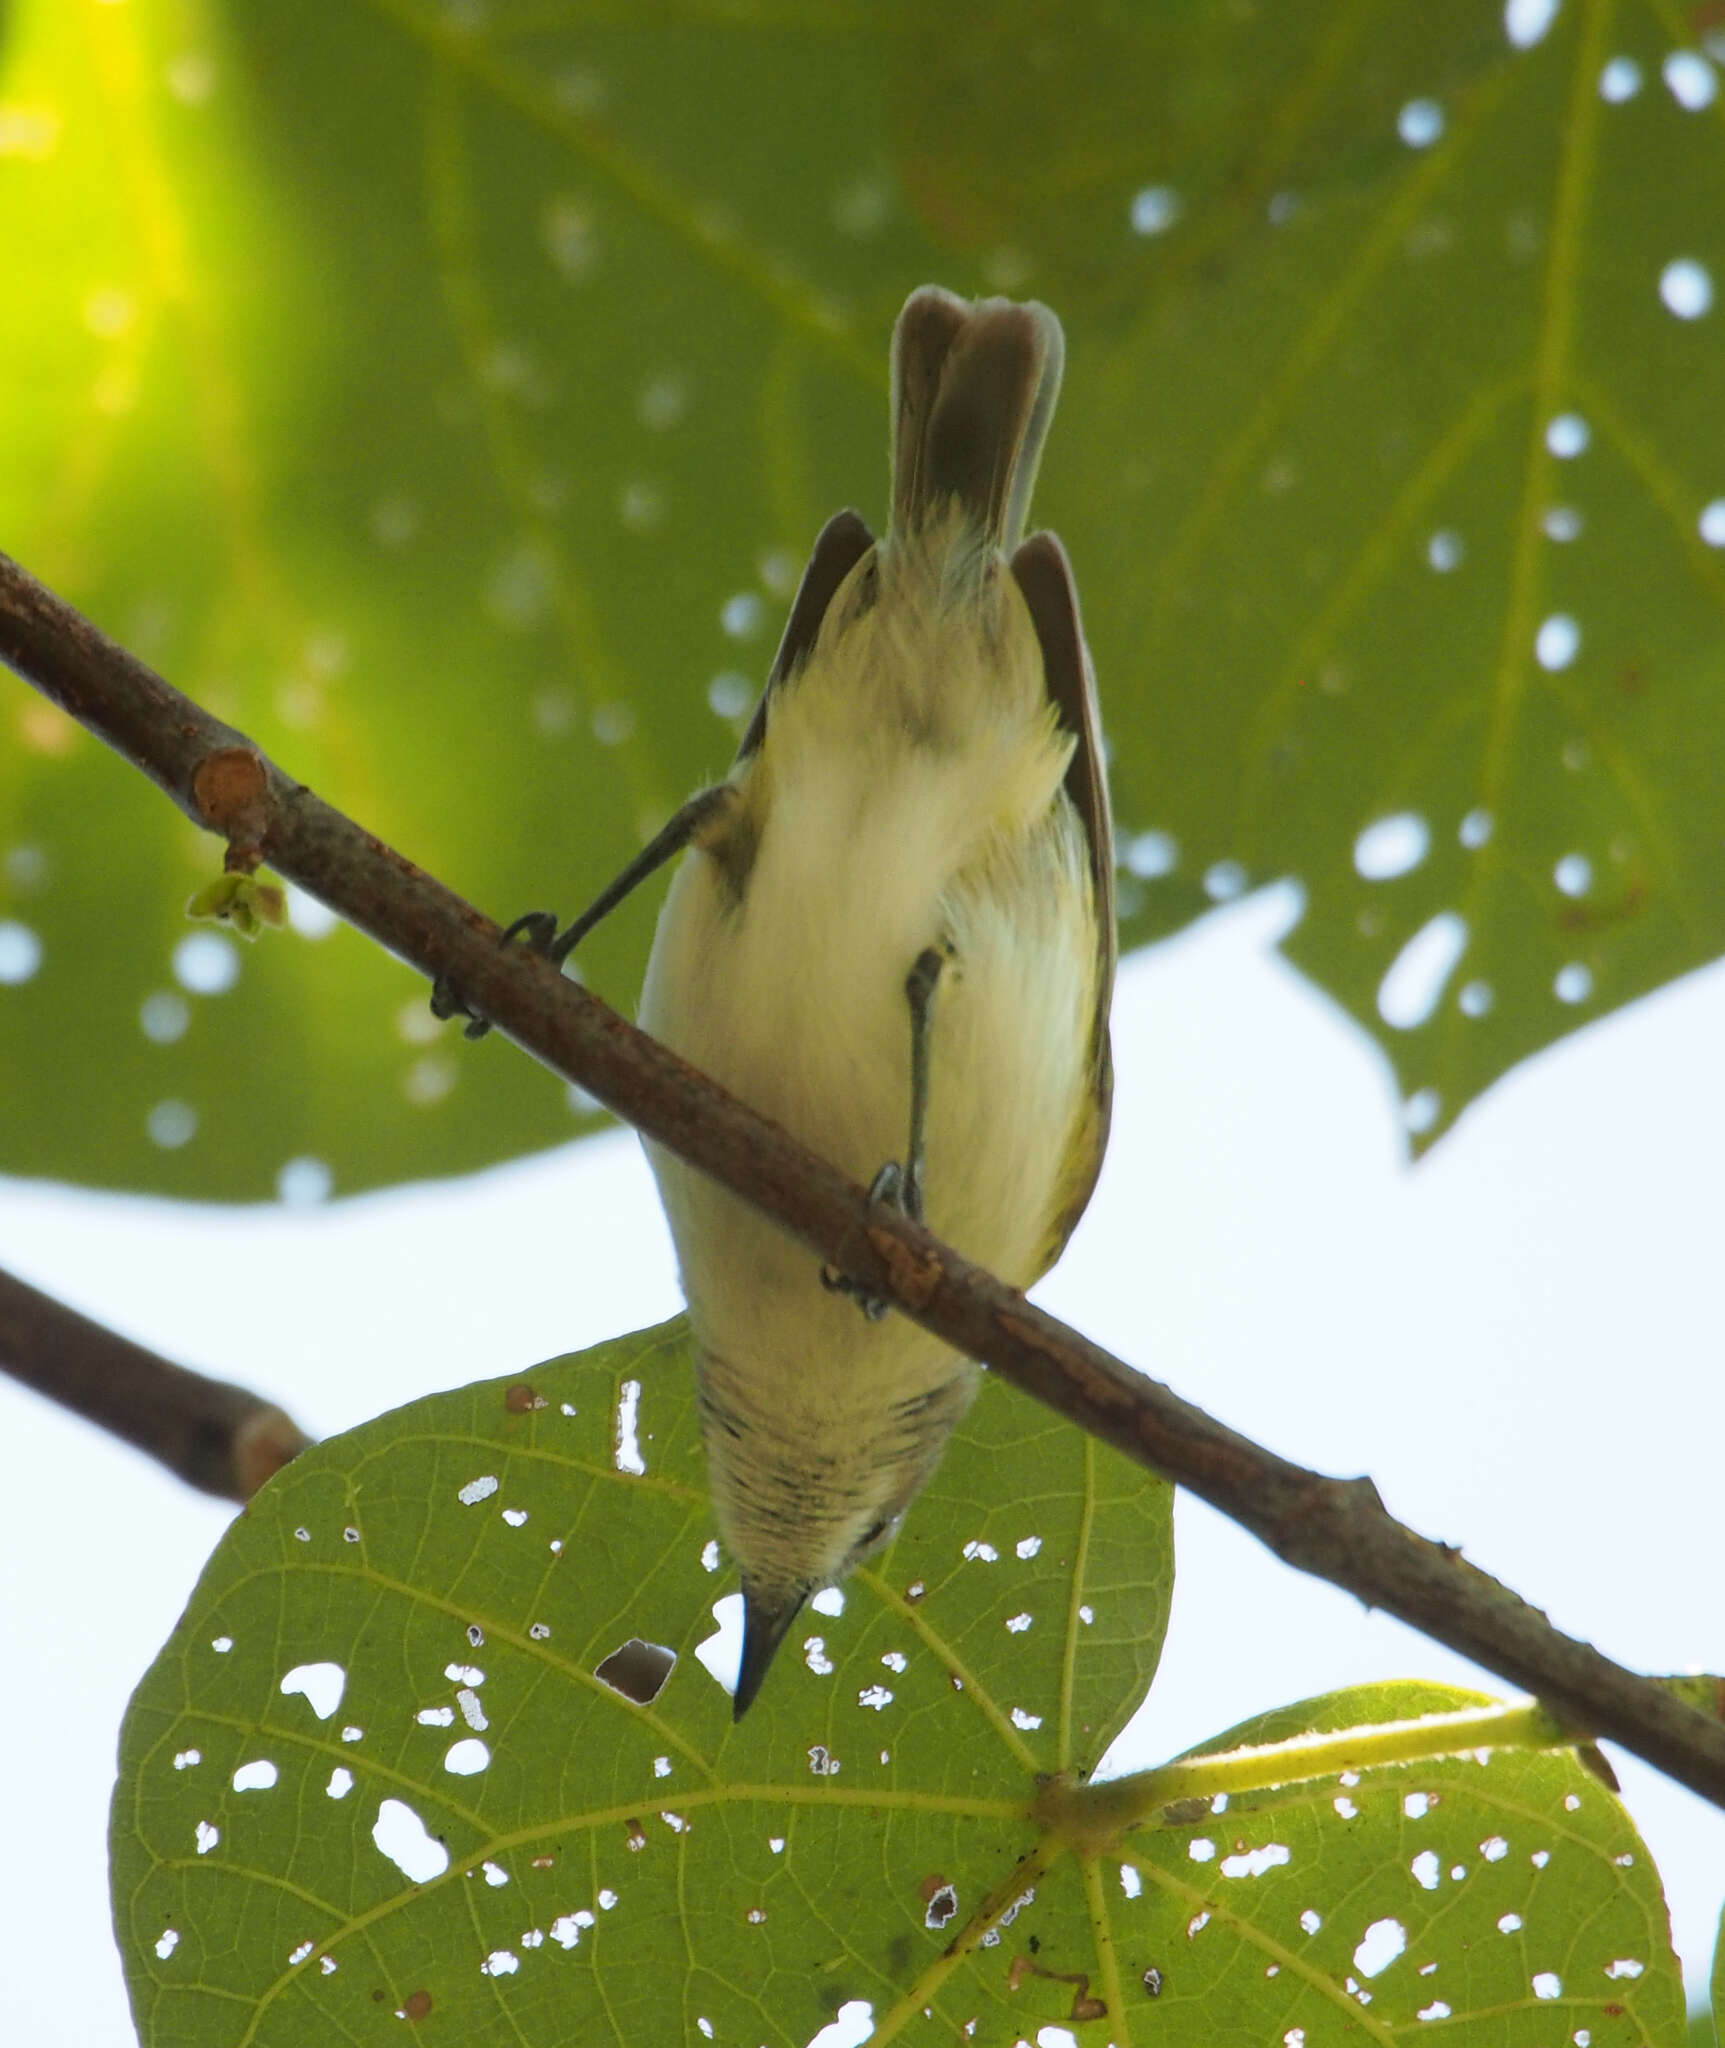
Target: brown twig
(1335, 1528)
(219, 1438)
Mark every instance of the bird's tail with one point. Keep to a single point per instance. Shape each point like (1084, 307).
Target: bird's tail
(973, 391)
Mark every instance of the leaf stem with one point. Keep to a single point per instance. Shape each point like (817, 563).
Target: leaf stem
(1093, 1818)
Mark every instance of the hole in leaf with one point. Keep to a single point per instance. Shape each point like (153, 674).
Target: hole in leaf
(1391, 846)
(721, 1653)
(1692, 81)
(1525, 22)
(1382, 1942)
(1155, 209)
(1420, 123)
(1686, 287)
(162, 1017)
(206, 964)
(1254, 1862)
(321, 1686)
(637, 1669)
(171, 1125)
(942, 1905)
(851, 2025)
(1409, 992)
(729, 695)
(627, 1457)
(304, 1183)
(1557, 642)
(1567, 436)
(1620, 80)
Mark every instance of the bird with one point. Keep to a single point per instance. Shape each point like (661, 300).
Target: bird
(892, 931)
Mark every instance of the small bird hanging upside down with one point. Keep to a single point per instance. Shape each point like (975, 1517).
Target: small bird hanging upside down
(894, 935)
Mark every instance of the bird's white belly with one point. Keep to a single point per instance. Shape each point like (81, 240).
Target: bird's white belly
(796, 1002)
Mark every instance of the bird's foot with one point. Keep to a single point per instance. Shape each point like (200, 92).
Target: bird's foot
(537, 929)
(889, 1190)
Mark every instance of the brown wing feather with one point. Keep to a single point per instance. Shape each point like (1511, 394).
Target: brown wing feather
(841, 544)
(1044, 576)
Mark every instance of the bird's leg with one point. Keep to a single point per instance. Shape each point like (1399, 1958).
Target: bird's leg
(695, 824)
(920, 985)
(901, 1187)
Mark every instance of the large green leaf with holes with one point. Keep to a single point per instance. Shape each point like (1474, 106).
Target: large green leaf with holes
(447, 391)
(1506, 1895)
(414, 1753)
(1711, 2020)
(404, 1630)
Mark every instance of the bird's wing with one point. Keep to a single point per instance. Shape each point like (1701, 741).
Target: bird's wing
(1044, 576)
(842, 543)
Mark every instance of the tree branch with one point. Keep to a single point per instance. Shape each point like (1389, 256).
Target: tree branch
(219, 1438)
(1334, 1528)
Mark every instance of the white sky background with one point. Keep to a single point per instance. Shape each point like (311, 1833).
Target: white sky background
(1519, 1340)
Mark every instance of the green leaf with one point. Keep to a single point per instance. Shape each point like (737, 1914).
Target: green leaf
(1507, 1896)
(1322, 538)
(1718, 1999)
(825, 1851)
(449, 394)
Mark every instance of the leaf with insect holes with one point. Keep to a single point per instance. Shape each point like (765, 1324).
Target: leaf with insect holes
(459, 420)
(377, 1770)
(1506, 1895)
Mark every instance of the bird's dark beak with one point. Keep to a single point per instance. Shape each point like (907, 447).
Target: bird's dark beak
(766, 1623)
